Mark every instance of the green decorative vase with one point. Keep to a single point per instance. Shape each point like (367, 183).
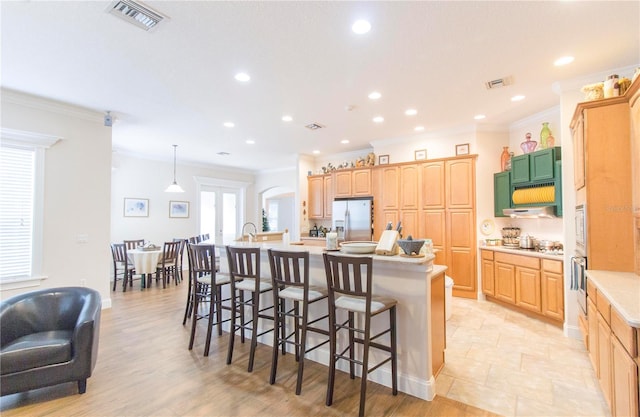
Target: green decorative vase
(544, 136)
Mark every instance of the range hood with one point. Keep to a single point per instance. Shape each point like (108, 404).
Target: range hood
(547, 212)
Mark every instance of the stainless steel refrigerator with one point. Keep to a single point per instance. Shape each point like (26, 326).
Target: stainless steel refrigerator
(352, 219)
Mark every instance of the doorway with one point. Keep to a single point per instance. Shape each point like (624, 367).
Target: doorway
(219, 213)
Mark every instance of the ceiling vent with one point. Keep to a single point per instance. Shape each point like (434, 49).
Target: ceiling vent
(223, 153)
(135, 13)
(497, 83)
(314, 126)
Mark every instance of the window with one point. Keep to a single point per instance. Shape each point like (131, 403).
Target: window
(21, 206)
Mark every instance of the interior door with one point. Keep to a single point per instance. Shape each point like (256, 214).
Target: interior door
(219, 213)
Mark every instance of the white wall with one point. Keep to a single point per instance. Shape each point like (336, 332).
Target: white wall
(77, 190)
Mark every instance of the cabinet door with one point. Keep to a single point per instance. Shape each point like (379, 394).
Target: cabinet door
(528, 289)
(578, 154)
(604, 358)
(409, 219)
(409, 182)
(316, 197)
(433, 227)
(520, 169)
(342, 184)
(461, 252)
(625, 380)
(542, 164)
(328, 196)
(552, 295)
(432, 193)
(361, 182)
(389, 189)
(501, 192)
(460, 183)
(488, 286)
(505, 281)
(592, 317)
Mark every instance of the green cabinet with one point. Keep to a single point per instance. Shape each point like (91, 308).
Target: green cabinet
(501, 192)
(535, 166)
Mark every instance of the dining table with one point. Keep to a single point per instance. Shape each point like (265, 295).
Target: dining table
(145, 262)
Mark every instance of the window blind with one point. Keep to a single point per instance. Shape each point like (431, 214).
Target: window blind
(17, 174)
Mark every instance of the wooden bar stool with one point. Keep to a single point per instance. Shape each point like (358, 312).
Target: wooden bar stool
(290, 281)
(206, 286)
(349, 282)
(244, 271)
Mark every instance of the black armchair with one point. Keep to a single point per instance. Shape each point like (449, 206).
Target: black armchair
(48, 337)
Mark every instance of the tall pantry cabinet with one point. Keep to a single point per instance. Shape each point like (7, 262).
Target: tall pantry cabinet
(448, 218)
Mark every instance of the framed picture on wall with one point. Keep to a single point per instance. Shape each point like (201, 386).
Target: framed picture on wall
(383, 159)
(136, 207)
(421, 154)
(179, 209)
(462, 149)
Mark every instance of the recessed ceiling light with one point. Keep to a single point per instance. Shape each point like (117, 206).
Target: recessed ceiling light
(316, 152)
(411, 112)
(418, 128)
(250, 141)
(517, 98)
(378, 119)
(229, 124)
(242, 77)
(479, 116)
(563, 61)
(223, 153)
(361, 26)
(344, 141)
(287, 118)
(374, 95)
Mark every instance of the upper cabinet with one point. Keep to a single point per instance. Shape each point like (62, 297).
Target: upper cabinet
(319, 193)
(602, 140)
(352, 183)
(535, 166)
(432, 187)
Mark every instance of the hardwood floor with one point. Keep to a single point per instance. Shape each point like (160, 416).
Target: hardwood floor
(145, 369)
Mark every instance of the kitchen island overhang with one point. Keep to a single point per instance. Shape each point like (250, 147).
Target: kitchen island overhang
(408, 280)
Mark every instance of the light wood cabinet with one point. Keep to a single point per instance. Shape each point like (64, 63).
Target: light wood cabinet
(604, 358)
(432, 186)
(592, 314)
(625, 380)
(352, 183)
(320, 196)
(460, 183)
(527, 282)
(634, 105)
(602, 129)
(434, 223)
(528, 289)
(460, 248)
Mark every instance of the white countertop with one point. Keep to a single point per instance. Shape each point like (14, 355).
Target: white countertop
(318, 250)
(622, 289)
(523, 252)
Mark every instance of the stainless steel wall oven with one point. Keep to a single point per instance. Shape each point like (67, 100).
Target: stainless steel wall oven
(579, 261)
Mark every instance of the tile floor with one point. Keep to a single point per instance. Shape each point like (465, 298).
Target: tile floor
(507, 363)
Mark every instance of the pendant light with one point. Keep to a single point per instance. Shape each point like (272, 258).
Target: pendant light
(174, 188)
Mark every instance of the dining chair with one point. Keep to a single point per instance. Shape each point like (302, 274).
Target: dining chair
(204, 237)
(349, 283)
(168, 263)
(180, 262)
(206, 286)
(133, 244)
(244, 270)
(290, 282)
(122, 269)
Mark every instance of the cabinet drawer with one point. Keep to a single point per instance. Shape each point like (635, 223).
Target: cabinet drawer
(591, 290)
(487, 254)
(552, 266)
(624, 332)
(604, 307)
(518, 260)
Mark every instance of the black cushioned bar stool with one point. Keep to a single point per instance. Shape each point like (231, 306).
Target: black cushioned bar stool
(349, 282)
(290, 281)
(244, 270)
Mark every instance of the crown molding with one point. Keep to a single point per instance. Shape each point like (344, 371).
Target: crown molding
(59, 107)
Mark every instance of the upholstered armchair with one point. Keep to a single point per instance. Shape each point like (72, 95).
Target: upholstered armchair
(48, 337)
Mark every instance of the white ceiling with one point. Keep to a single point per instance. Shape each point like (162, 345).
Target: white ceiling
(175, 85)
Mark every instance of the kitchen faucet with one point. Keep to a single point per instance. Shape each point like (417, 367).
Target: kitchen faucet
(251, 235)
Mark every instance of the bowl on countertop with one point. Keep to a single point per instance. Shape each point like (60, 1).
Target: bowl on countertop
(358, 247)
(411, 246)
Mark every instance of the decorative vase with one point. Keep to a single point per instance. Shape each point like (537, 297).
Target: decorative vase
(528, 145)
(504, 158)
(544, 136)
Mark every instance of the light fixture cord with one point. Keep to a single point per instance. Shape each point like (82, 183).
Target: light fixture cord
(174, 163)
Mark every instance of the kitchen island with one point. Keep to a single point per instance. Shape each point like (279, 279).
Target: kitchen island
(416, 284)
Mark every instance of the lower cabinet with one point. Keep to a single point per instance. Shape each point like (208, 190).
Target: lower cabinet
(530, 283)
(613, 350)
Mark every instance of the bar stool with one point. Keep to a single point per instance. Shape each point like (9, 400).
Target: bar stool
(349, 282)
(206, 285)
(290, 281)
(244, 271)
